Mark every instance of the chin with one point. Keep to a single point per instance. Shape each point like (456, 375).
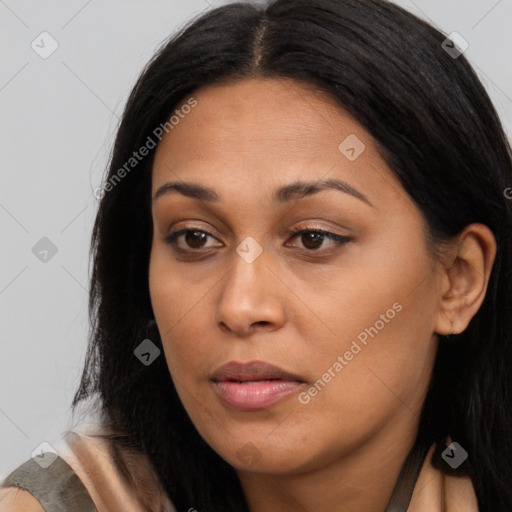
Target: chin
(267, 462)
(266, 454)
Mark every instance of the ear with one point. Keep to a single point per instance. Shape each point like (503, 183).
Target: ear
(465, 275)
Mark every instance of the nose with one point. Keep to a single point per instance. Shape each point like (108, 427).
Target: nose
(250, 299)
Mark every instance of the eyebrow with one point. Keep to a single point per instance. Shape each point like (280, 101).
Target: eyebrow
(287, 193)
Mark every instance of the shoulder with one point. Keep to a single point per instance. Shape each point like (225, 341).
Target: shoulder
(14, 499)
(50, 481)
(114, 475)
(88, 473)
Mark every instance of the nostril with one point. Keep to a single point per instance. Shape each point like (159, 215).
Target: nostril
(262, 323)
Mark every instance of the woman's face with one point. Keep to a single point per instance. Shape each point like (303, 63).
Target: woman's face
(349, 320)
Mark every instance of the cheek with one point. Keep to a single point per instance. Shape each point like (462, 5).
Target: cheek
(374, 346)
(173, 303)
(373, 375)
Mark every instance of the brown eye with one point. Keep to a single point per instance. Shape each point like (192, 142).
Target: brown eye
(189, 239)
(195, 239)
(313, 239)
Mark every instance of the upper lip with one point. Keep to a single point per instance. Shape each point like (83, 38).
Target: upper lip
(252, 370)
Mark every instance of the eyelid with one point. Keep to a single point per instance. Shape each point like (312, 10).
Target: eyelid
(209, 230)
(308, 226)
(338, 239)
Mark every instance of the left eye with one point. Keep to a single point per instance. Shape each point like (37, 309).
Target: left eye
(312, 239)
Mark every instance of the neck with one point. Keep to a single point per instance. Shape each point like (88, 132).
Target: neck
(363, 479)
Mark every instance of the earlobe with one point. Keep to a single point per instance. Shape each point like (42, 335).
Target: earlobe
(467, 276)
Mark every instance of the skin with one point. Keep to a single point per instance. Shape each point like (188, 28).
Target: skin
(14, 499)
(297, 307)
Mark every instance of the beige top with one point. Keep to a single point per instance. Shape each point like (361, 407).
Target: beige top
(90, 459)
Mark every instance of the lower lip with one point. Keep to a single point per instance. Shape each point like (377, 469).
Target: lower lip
(254, 395)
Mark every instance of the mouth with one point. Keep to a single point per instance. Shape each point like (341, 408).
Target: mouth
(253, 371)
(253, 385)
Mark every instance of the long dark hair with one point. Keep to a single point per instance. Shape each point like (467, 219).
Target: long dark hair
(437, 130)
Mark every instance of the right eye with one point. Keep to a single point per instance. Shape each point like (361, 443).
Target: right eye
(192, 239)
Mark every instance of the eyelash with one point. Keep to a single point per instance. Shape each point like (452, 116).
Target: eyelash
(340, 240)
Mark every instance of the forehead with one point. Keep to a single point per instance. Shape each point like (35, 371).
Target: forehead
(257, 134)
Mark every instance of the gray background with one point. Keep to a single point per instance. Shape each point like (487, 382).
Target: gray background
(59, 117)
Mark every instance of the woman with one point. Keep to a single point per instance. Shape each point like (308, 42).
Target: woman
(301, 277)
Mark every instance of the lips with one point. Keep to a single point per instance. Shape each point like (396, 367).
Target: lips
(253, 385)
(252, 371)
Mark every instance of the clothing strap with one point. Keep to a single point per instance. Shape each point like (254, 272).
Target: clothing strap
(404, 488)
(56, 487)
